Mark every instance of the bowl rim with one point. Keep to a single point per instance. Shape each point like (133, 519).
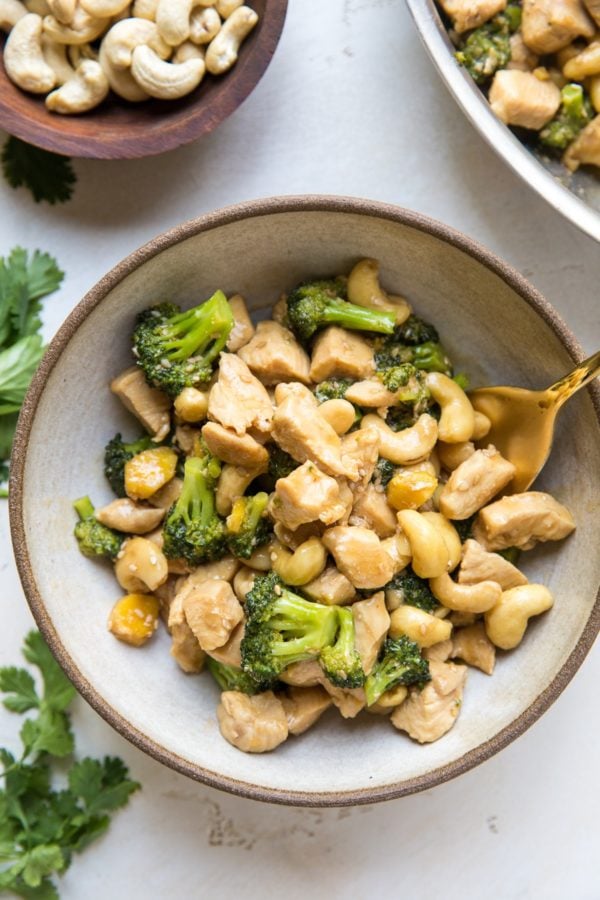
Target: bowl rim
(114, 141)
(497, 135)
(207, 222)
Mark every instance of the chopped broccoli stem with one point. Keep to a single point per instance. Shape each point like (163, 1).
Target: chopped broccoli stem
(116, 454)
(193, 530)
(412, 590)
(574, 114)
(333, 389)
(94, 539)
(487, 48)
(401, 662)
(396, 377)
(282, 628)
(247, 527)
(178, 349)
(462, 380)
(231, 679)
(315, 305)
(431, 357)
(340, 661)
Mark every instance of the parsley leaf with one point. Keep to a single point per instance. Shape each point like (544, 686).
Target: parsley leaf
(46, 175)
(41, 827)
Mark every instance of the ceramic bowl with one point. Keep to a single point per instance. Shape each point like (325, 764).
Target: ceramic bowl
(121, 130)
(496, 327)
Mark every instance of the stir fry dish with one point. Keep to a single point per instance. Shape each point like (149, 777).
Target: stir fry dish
(539, 64)
(313, 511)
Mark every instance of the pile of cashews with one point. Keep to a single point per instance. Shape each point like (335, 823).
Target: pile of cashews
(76, 51)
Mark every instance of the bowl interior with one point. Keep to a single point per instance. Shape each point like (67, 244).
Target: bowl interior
(489, 330)
(121, 130)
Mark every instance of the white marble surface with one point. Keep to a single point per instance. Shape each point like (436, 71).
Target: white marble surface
(350, 105)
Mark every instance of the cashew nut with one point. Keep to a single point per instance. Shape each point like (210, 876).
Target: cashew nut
(125, 515)
(430, 555)
(88, 87)
(121, 81)
(481, 427)
(404, 447)
(223, 50)
(125, 36)
(419, 626)
(186, 51)
(103, 9)
(364, 289)
(260, 559)
(233, 481)
(204, 25)
(450, 536)
(452, 455)
(10, 13)
(62, 10)
(24, 58)
(457, 421)
(173, 18)
(471, 598)
(303, 565)
(76, 53)
(339, 413)
(506, 622)
(243, 582)
(226, 7)
(57, 58)
(145, 9)
(141, 566)
(164, 80)
(82, 28)
(39, 7)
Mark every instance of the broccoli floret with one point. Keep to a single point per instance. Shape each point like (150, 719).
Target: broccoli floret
(178, 349)
(282, 628)
(231, 679)
(95, 539)
(431, 357)
(396, 377)
(401, 662)
(413, 590)
(487, 48)
(462, 380)
(116, 454)
(193, 530)
(400, 417)
(247, 526)
(340, 661)
(383, 472)
(281, 464)
(316, 304)
(415, 331)
(333, 389)
(428, 356)
(573, 115)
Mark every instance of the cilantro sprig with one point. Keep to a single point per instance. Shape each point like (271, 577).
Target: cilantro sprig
(24, 281)
(42, 825)
(47, 176)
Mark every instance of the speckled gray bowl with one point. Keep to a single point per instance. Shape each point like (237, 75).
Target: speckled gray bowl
(495, 326)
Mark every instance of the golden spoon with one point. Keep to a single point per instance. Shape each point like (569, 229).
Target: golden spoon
(523, 421)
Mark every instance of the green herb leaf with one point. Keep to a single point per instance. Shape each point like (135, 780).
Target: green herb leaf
(17, 367)
(46, 175)
(20, 686)
(58, 690)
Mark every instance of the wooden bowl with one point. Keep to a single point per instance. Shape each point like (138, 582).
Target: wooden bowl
(495, 326)
(121, 130)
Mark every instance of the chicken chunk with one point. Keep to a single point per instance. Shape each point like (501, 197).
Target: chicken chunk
(125, 515)
(167, 495)
(243, 329)
(150, 406)
(519, 98)
(360, 450)
(238, 400)
(593, 8)
(440, 652)
(371, 625)
(303, 706)
(521, 57)
(232, 484)
(467, 14)
(230, 654)
(338, 353)
(185, 649)
(371, 393)
(349, 702)
(232, 448)
(549, 25)
(372, 510)
(473, 646)
(429, 713)
(330, 587)
(252, 724)
(479, 565)
(359, 555)
(522, 520)
(307, 495)
(223, 569)
(212, 611)
(307, 436)
(274, 355)
(474, 483)
(585, 149)
(307, 673)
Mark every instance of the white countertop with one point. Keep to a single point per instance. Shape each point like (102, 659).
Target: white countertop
(350, 105)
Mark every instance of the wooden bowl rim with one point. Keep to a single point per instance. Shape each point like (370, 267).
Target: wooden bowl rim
(217, 219)
(187, 119)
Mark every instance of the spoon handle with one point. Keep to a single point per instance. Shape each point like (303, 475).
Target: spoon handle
(580, 376)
